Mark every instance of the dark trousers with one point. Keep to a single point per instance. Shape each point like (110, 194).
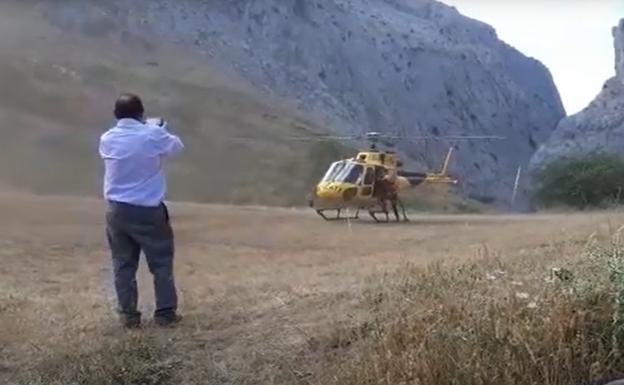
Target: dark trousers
(130, 230)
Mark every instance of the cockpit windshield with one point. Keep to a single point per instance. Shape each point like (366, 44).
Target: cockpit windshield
(344, 171)
(333, 171)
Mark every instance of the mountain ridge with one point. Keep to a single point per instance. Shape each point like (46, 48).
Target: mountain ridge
(599, 126)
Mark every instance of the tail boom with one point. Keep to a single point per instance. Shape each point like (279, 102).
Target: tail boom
(413, 179)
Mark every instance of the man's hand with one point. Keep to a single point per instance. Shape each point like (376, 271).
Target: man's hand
(160, 122)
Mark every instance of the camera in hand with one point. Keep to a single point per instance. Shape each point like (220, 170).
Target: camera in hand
(160, 122)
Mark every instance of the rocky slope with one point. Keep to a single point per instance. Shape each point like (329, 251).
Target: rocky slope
(600, 126)
(412, 67)
(618, 38)
(59, 89)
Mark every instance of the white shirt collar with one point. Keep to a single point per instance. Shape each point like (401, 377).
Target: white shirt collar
(129, 123)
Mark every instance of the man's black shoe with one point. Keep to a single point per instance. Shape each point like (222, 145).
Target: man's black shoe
(131, 322)
(169, 320)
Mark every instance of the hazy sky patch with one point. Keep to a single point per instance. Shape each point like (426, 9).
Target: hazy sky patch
(571, 37)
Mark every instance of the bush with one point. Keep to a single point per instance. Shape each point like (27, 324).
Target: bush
(591, 181)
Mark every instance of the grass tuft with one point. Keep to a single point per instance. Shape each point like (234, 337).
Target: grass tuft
(135, 360)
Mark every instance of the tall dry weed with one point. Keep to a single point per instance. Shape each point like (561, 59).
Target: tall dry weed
(513, 321)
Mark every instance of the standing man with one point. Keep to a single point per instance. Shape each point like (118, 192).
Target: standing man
(137, 218)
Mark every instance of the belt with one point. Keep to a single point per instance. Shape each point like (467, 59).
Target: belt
(162, 206)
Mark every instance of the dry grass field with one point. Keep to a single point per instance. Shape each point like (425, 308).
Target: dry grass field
(277, 296)
(270, 295)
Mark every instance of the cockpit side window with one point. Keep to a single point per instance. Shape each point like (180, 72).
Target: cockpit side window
(352, 174)
(369, 177)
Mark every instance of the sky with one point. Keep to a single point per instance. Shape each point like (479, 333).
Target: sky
(571, 37)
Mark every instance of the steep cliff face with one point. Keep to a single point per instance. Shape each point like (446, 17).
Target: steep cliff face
(600, 126)
(407, 67)
(618, 38)
(413, 67)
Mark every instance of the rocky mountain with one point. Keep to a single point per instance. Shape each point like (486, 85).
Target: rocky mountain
(618, 38)
(600, 126)
(59, 89)
(414, 67)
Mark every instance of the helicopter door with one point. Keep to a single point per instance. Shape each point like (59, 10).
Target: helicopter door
(368, 183)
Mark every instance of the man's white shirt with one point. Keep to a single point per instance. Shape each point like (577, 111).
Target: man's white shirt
(133, 154)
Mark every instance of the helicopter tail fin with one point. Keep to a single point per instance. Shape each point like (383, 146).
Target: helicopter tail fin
(445, 166)
(443, 176)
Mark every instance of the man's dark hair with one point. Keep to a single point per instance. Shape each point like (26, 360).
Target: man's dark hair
(129, 106)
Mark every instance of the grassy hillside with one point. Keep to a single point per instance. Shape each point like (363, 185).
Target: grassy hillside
(61, 90)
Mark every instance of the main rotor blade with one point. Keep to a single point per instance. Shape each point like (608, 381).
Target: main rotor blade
(302, 138)
(376, 137)
(322, 138)
(443, 137)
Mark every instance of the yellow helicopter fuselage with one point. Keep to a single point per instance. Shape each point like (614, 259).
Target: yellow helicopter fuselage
(352, 183)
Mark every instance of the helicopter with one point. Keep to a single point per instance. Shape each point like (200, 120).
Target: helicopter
(373, 178)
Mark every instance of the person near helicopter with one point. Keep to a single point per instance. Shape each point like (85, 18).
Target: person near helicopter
(385, 191)
(379, 187)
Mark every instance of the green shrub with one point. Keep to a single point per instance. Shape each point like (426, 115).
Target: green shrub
(590, 181)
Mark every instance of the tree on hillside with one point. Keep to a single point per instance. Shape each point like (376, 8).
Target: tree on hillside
(581, 182)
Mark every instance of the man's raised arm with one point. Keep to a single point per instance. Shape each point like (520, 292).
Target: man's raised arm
(164, 142)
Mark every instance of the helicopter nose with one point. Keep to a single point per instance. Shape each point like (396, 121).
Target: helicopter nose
(336, 192)
(328, 193)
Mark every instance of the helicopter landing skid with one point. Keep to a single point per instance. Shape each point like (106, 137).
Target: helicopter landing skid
(338, 216)
(375, 215)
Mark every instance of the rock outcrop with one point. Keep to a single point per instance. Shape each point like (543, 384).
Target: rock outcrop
(413, 67)
(618, 38)
(599, 127)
